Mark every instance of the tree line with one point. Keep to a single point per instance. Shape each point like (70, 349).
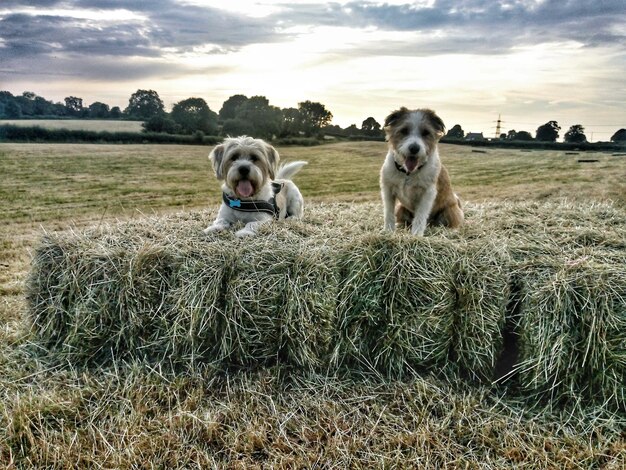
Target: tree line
(29, 105)
(548, 132)
(238, 115)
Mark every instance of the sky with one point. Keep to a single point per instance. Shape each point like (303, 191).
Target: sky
(530, 61)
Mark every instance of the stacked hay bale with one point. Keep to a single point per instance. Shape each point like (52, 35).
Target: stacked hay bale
(573, 330)
(396, 304)
(169, 294)
(334, 292)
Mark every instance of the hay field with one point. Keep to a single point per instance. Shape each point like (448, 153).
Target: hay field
(97, 125)
(127, 413)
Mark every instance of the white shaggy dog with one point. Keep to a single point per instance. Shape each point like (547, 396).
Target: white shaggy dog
(415, 186)
(255, 190)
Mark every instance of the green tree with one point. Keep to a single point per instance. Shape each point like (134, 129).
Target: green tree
(575, 134)
(333, 129)
(42, 107)
(292, 122)
(143, 104)
(230, 106)
(12, 110)
(99, 110)
(352, 130)
(74, 105)
(549, 132)
(161, 123)
(371, 127)
(619, 136)
(524, 136)
(314, 116)
(193, 114)
(236, 127)
(456, 132)
(27, 103)
(115, 112)
(265, 119)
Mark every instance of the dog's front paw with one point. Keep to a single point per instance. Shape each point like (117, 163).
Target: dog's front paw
(213, 228)
(244, 232)
(418, 231)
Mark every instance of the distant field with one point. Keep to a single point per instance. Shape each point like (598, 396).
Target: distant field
(48, 182)
(78, 124)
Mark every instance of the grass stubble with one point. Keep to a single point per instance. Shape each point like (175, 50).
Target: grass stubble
(187, 365)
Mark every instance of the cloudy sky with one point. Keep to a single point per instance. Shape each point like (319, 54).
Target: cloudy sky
(530, 60)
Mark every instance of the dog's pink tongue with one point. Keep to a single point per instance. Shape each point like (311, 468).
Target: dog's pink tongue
(410, 164)
(244, 188)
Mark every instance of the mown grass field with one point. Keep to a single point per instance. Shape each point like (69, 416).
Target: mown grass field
(97, 125)
(138, 416)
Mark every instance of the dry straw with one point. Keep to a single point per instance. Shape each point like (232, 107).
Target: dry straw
(396, 304)
(334, 292)
(573, 330)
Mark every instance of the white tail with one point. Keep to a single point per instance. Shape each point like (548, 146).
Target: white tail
(289, 170)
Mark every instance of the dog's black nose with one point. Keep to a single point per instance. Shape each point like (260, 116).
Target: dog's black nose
(414, 149)
(244, 171)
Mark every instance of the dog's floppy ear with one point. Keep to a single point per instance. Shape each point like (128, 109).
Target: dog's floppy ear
(395, 116)
(273, 159)
(436, 122)
(217, 156)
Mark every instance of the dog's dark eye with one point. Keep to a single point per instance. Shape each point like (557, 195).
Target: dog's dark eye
(254, 158)
(404, 131)
(235, 157)
(425, 133)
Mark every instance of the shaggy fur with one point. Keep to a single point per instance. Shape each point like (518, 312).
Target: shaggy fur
(415, 186)
(248, 166)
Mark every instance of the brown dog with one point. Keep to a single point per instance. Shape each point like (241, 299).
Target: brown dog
(413, 177)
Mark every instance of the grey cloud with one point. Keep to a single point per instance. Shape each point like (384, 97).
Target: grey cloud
(101, 69)
(167, 24)
(511, 23)
(459, 26)
(9, 4)
(192, 26)
(34, 35)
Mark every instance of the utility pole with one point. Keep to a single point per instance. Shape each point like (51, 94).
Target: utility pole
(498, 125)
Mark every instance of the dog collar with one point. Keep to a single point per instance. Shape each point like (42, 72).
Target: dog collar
(401, 169)
(269, 207)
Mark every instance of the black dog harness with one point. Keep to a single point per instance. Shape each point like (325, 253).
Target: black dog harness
(269, 207)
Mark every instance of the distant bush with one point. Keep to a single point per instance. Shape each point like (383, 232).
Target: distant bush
(537, 145)
(367, 138)
(160, 123)
(302, 141)
(10, 133)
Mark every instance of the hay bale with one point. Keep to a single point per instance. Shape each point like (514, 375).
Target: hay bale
(332, 291)
(279, 307)
(155, 291)
(91, 303)
(482, 280)
(192, 327)
(396, 304)
(573, 331)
